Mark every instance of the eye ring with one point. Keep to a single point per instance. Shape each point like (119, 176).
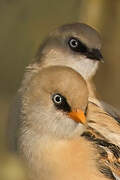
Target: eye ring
(57, 99)
(73, 43)
(77, 46)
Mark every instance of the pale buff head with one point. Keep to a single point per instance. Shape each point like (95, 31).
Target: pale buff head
(41, 114)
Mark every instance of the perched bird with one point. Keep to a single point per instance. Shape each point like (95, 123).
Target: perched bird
(77, 46)
(74, 45)
(51, 131)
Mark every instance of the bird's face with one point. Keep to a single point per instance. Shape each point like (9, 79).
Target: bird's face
(54, 103)
(74, 45)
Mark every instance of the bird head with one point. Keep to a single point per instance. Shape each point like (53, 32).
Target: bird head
(74, 45)
(54, 102)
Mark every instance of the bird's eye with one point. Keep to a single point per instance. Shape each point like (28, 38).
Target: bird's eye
(57, 99)
(60, 102)
(76, 45)
(73, 43)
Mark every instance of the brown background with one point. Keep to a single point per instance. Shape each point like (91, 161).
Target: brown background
(25, 23)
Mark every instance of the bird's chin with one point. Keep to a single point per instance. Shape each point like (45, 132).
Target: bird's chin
(78, 131)
(69, 128)
(86, 67)
(83, 65)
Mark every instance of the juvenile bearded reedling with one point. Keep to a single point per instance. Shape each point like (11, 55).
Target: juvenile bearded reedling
(52, 120)
(52, 133)
(74, 45)
(77, 46)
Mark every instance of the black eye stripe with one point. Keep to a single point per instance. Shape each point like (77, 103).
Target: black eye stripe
(60, 102)
(77, 46)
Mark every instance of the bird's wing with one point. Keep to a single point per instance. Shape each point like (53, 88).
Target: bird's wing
(114, 112)
(104, 133)
(108, 161)
(103, 122)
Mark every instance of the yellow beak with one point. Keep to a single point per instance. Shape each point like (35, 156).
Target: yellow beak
(78, 116)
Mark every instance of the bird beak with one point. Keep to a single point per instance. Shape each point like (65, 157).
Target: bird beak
(95, 54)
(78, 116)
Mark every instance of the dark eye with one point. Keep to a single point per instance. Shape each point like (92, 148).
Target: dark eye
(73, 43)
(76, 45)
(60, 102)
(57, 99)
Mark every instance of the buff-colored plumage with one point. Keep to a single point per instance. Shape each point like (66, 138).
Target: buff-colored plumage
(55, 51)
(48, 140)
(66, 149)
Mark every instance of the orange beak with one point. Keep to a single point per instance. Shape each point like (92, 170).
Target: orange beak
(78, 116)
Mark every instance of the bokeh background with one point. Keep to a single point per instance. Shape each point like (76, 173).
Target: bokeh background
(23, 26)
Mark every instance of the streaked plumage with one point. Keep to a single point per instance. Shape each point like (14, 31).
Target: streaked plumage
(103, 121)
(104, 132)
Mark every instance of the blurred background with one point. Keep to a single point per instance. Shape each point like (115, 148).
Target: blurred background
(24, 24)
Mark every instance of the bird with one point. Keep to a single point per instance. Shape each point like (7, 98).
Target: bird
(75, 45)
(78, 46)
(53, 133)
(59, 50)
